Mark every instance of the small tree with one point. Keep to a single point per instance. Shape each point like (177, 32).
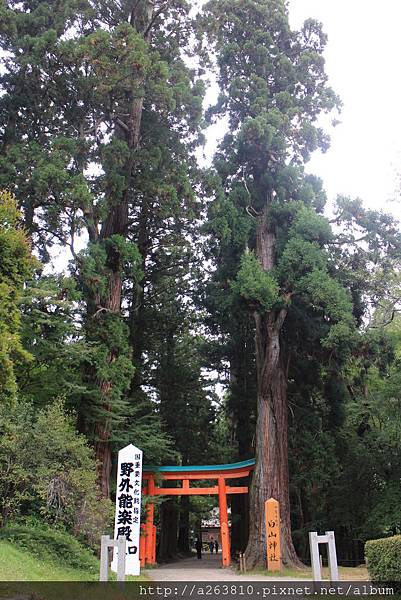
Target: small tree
(16, 266)
(48, 468)
(15, 477)
(65, 482)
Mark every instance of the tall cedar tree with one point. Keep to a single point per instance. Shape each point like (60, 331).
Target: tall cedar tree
(181, 389)
(78, 77)
(231, 347)
(273, 88)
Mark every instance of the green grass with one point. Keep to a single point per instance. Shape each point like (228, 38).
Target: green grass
(19, 565)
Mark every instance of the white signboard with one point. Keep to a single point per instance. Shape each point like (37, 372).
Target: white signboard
(128, 507)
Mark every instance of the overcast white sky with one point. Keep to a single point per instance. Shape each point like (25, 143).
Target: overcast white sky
(363, 63)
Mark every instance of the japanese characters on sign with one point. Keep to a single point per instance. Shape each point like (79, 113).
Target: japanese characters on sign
(128, 506)
(273, 545)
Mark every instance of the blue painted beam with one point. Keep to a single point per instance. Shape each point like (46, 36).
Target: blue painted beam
(197, 468)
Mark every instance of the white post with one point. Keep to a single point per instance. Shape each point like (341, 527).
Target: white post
(104, 558)
(128, 507)
(107, 543)
(314, 554)
(121, 544)
(314, 541)
(332, 556)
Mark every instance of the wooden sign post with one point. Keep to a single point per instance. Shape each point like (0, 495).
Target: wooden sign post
(273, 545)
(128, 507)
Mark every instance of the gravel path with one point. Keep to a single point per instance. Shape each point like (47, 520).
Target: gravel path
(207, 569)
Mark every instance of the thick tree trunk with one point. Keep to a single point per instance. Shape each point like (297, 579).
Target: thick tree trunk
(137, 318)
(169, 514)
(103, 457)
(270, 477)
(242, 408)
(183, 530)
(239, 520)
(103, 426)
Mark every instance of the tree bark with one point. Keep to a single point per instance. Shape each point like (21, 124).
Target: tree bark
(239, 520)
(168, 530)
(103, 426)
(183, 530)
(242, 406)
(270, 477)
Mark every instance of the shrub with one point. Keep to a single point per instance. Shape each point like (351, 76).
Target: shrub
(383, 558)
(65, 476)
(50, 544)
(48, 469)
(15, 477)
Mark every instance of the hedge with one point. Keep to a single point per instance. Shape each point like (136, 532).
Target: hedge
(383, 557)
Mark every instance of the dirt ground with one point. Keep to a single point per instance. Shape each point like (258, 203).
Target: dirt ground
(209, 569)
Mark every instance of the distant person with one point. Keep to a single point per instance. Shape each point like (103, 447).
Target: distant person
(211, 545)
(216, 546)
(198, 547)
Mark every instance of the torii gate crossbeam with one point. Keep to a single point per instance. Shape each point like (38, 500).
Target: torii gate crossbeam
(187, 474)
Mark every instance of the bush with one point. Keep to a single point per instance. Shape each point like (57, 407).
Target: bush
(65, 483)
(47, 469)
(50, 544)
(383, 557)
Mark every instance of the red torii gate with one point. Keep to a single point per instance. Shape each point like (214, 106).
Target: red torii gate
(216, 473)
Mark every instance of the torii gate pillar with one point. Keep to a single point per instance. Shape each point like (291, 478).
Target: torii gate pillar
(150, 529)
(224, 531)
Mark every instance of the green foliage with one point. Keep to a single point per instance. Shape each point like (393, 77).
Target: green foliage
(364, 499)
(15, 478)
(343, 429)
(144, 425)
(49, 544)
(254, 284)
(51, 332)
(103, 150)
(101, 121)
(66, 479)
(265, 87)
(16, 266)
(183, 391)
(49, 469)
(97, 262)
(311, 226)
(384, 559)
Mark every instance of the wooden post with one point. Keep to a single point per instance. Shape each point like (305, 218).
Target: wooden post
(150, 557)
(154, 545)
(142, 546)
(225, 534)
(273, 544)
(104, 558)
